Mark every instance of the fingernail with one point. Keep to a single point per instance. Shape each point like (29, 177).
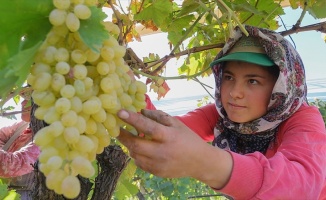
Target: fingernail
(123, 114)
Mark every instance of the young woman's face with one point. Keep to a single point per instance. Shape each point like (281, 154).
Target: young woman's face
(246, 90)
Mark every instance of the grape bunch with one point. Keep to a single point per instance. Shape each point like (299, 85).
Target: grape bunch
(157, 86)
(78, 92)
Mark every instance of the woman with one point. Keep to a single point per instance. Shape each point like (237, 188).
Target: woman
(18, 153)
(268, 143)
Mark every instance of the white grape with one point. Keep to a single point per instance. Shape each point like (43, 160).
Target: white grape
(61, 4)
(72, 22)
(82, 11)
(57, 17)
(70, 187)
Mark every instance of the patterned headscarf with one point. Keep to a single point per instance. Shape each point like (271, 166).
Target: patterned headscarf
(289, 92)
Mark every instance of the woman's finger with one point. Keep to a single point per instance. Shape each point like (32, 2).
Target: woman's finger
(158, 116)
(142, 123)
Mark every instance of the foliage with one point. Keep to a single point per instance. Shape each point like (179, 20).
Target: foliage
(24, 25)
(198, 29)
(321, 105)
(6, 194)
(153, 187)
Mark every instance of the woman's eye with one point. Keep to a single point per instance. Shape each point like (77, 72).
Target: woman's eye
(227, 77)
(253, 81)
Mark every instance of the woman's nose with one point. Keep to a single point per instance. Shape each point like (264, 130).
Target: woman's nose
(237, 91)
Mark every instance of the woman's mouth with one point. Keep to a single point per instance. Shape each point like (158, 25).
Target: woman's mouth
(236, 105)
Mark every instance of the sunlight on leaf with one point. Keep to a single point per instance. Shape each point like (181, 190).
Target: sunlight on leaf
(24, 25)
(157, 12)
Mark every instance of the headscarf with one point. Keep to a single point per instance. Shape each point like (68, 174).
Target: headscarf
(288, 94)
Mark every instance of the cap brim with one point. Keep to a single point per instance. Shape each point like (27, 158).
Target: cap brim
(255, 58)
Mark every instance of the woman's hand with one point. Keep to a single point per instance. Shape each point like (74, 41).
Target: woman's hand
(170, 149)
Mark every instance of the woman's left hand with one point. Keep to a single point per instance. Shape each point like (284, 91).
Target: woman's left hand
(169, 148)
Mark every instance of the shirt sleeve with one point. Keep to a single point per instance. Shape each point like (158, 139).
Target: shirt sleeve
(202, 121)
(19, 162)
(297, 170)
(7, 132)
(149, 103)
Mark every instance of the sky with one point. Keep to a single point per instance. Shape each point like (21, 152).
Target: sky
(310, 46)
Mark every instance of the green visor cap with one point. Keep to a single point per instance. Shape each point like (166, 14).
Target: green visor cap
(247, 49)
(255, 58)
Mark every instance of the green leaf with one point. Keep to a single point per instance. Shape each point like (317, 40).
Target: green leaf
(318, 9)
(125, 189)
(188, 7)
(92, 31)
(158, 11)
(24, 25)
(3, 191)
(179, 23)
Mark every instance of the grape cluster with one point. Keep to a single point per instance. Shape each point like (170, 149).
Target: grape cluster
(157, 86)
(79, 92)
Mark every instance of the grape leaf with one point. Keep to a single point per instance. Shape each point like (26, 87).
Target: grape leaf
(318, 9)
(24, 24)
(3, 191)
(158, 11)
(92, 31)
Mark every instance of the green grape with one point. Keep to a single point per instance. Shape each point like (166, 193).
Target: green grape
(92, 56)
(126, 100)
(61, 4)
(99, 116)
(62, 67)
(83, 166)
(47, 152)
(57, 17)
(54, 162)
(84, 144)
(107, 85)
(79, 87)
(103, 68)
(92, 106)
(79, 71)
(91, 126)
(49, 55)
(78, 56)
(61, 55)
(70, 187)
(107, 53)
(60, 144)
(40, 67)
(82, 11)
(72, 22)
(67, 91)
(109, 101)
(54, 179)
(51, 116)
(141, 87)
(69, 118)
(81, 124)
(76, 104)
(71, 135)
(62, 105)
(42, 81)
(57, 82)
(56, 128)
(160, 81)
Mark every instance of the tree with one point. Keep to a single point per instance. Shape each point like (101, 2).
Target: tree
(196, 29)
